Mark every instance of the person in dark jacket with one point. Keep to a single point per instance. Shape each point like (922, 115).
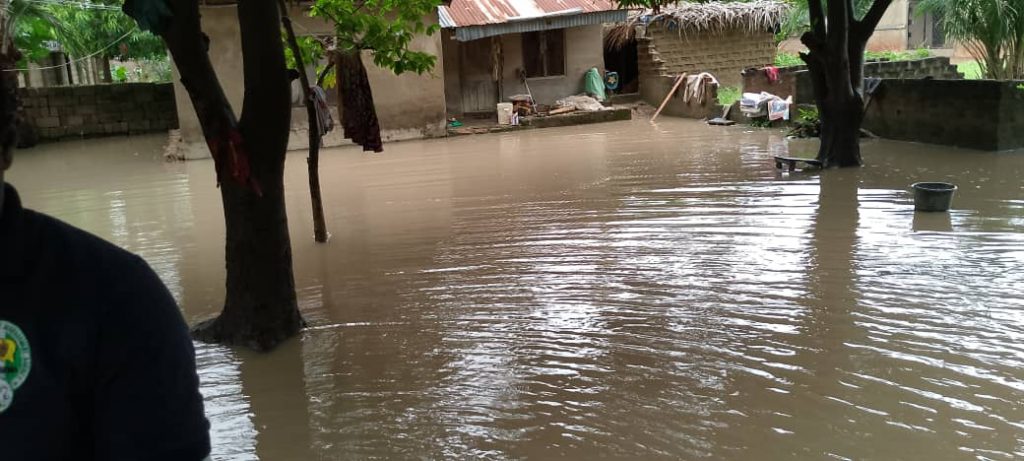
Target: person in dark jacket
(96, 362)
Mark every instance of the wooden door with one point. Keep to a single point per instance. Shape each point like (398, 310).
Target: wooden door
(478, 88)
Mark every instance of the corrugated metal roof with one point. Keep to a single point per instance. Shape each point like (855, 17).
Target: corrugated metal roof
(465, 34)
(475, 19)
(464, 13)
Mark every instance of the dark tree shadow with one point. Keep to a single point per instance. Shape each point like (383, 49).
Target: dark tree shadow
(275, 386)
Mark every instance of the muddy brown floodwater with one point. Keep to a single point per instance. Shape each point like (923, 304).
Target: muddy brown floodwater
(615, 290)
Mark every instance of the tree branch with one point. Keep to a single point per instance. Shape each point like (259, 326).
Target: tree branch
(817, 15)
(266, 112)
(813, 43)
(839, 22)
(327, 70)
(866, 26)
(188, 45)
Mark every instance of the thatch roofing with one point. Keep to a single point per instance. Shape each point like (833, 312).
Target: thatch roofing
(756, 16)
(712, 17)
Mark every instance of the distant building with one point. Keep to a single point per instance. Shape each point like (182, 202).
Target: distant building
(494, 49)
(484, 47)
(408, 106)
(903, 28)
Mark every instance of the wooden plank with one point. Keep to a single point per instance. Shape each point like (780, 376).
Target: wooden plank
(679, 81)
(792, 162)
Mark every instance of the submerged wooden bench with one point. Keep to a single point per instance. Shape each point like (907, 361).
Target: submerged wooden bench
(792, 162)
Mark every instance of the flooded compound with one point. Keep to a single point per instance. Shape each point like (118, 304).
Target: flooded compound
(618, 290)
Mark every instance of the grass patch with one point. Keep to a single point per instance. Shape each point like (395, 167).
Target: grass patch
(728, 95)
(970, 69)
(908, 55)
(788, 60)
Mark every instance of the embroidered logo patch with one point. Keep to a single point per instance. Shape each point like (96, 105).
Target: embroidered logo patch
(15, 362)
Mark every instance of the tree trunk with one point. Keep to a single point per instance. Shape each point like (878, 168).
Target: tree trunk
(260, 310)
(105, 75)
(840, 133)
(320, 234)
(69, 67)
(313, 161)
(837, 41)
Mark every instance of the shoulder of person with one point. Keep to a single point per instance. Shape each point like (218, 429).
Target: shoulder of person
(94, 268)
(53, 236)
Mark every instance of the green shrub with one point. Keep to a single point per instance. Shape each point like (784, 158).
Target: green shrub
(728, 95)
(807, 124)
(888, 55)
(788, 60)
(120, 74)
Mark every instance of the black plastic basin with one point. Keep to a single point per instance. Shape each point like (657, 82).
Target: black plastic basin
(933, 196)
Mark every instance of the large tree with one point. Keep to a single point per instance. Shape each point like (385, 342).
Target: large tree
(260, 309)
(836, 42)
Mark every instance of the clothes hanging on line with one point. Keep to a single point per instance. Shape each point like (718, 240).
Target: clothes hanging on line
(358, 115)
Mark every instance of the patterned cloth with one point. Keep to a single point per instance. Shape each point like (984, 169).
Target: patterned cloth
(323, 112)
(358, 115)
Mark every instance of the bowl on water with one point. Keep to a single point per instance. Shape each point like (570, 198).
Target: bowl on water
(933, 196)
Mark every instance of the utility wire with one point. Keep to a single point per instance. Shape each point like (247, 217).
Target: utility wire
(73, 61)
(82, 5)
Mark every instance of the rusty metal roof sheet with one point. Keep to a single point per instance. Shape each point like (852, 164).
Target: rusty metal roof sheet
(462, 13)
(473, 19)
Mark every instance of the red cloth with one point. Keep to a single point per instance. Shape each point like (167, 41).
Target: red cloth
(773, 74)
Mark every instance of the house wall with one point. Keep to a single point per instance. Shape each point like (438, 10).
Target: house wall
(891, 33)
(584, 51)
(724, 55)
(409, 106)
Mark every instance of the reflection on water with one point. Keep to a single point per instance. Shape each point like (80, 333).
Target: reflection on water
(619, 290)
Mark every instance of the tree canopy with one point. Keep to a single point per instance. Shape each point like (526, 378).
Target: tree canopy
(80, 29)
(386, 27)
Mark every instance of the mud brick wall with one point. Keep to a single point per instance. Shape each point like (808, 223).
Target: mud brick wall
(796, 81)
(654, 89)
(99, 110)
(724, 55)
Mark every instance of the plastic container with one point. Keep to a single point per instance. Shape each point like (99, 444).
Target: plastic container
(504, 113)
(933, 196)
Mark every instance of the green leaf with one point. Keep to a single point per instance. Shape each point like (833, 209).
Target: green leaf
(385, 27)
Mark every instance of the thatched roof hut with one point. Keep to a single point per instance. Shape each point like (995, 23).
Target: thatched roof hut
(688, 18)
(722, 38)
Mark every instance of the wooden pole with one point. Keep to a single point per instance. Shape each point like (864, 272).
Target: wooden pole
(679, 81)
(313, 161)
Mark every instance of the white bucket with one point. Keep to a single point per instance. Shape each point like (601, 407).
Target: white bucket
(504, 113)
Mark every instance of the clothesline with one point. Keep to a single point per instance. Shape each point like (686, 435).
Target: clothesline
(74, 61)
(81, 5)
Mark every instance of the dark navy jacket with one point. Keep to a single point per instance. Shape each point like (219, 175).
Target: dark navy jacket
(110, 366)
